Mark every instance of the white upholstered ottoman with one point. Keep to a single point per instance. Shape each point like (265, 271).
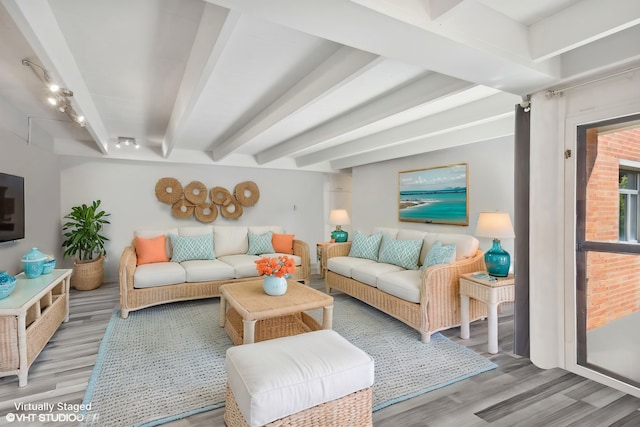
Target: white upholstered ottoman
(317, 378)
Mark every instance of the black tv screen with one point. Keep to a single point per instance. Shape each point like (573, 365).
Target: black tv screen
(11, 207)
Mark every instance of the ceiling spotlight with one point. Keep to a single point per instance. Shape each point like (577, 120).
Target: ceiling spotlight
(59, 97)
(126, 140)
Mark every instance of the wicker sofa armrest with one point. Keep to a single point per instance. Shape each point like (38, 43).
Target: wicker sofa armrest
(128, 261)
(338, 249)
(440, 288)
(301, 249)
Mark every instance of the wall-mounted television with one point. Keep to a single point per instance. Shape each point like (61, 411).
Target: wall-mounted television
(11, 207)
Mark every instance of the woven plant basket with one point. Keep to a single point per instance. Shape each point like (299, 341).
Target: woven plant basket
(87, 275)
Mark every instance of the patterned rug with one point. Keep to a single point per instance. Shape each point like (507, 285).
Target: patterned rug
(167, 362)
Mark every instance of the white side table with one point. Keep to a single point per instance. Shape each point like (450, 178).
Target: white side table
(493, 294)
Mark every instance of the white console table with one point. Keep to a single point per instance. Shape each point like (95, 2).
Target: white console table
(28, 319)
(493, 294)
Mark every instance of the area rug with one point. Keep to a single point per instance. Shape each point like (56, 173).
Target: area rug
(167, 362)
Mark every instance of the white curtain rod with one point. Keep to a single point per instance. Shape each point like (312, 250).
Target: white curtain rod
(551, 93)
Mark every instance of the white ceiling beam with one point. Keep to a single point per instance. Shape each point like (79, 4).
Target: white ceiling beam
(482, 132)
(340, 68)
(443, 10)
(40, 28)
(487, 109)
(213, 34)
(581, 24)
(604, 55)
(419, 92)
(483, 57)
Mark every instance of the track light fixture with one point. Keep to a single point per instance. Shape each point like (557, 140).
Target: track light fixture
(58, 97)
(127, 141)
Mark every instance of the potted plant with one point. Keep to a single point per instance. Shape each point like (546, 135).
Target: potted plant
(85, 244)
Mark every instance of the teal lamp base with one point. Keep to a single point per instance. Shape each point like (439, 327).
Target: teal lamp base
(339, 235)
(497, 260)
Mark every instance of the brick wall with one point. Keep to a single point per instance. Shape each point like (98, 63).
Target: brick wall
(613, 288)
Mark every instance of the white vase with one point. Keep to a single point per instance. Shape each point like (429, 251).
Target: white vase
(274, 285)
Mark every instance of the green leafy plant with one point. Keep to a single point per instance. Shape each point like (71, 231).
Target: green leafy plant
(83, 232)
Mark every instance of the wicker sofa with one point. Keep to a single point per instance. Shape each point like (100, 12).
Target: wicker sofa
(168, 279)
(426, 299)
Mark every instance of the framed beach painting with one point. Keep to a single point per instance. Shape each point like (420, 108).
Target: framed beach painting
(435, 195)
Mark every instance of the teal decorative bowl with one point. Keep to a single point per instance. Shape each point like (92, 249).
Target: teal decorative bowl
(48, 266)
(33, 263)
(7, 284)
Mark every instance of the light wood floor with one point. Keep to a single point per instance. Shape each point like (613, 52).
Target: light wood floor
(515, 394)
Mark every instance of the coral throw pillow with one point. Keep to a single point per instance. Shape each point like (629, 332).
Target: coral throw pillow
(151, 250)
(282, 243)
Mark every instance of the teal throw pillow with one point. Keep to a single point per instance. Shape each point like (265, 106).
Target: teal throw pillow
(365, 246)
(260, 244)
(187, 248)
(439, 254)
(403, 253)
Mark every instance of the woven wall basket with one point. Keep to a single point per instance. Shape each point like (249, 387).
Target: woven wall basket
(169, 190)
(88, 275)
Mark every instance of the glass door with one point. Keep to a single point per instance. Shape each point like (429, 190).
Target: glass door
(608, 249)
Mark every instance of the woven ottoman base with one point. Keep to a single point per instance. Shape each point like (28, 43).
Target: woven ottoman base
(353, 409)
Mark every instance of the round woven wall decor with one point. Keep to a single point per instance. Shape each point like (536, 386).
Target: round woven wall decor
(182, 209)
(220, 196)
(206, 212)
(169, 190)
(195, 192)
(232, 210)
(241, 191)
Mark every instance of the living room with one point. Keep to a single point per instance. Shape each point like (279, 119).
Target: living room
(59, 176)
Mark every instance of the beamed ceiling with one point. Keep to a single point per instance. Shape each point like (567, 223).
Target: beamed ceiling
(320, 85)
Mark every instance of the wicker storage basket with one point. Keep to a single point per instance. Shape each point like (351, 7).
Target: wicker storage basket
(88, 275)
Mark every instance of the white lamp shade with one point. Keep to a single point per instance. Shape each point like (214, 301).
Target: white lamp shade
(496, 225)
(339, 217)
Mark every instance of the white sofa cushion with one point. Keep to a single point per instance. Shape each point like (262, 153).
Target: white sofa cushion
(391, 232)
(343, 265)
(404, 284)
(411, 235)
(261, 229)
(207, 270)
(466, 245)
(230, 239)
(276, 378)
(158, 274)
(243, 265)
(369, 273)
(195, 230)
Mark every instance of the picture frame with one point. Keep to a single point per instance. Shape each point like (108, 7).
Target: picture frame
(437, 195)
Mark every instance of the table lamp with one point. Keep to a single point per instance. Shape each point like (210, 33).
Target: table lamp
(496, 225)
(339, 217)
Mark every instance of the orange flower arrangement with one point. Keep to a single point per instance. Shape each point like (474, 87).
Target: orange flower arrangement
(281, 266)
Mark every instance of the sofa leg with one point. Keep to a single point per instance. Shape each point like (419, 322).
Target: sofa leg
(425, 337)
(124, 313)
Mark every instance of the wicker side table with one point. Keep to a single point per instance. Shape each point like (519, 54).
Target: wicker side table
(491, 293)
(28, 319)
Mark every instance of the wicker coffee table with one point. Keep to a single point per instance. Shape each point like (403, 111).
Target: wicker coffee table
(254, 316)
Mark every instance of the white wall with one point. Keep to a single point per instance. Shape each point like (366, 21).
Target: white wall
(35, 161)
(552, 236)
(490, 176)
(127, 190)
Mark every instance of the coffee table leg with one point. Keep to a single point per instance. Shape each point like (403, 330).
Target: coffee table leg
(327, 317)
(249, 328)
(223, 311)
(464, 317)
